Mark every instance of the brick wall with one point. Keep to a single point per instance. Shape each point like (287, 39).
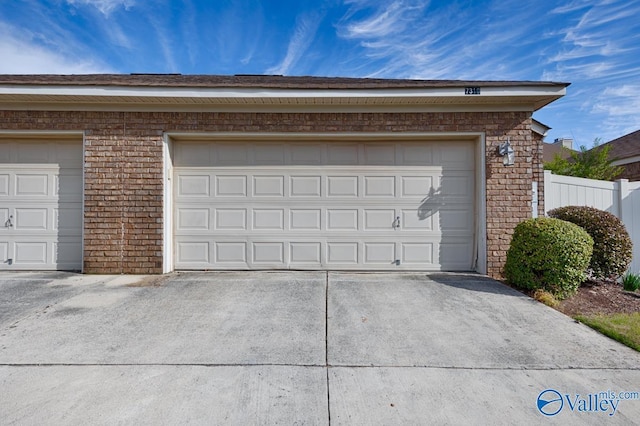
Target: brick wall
(123, 169)
(123, 202)
(631, 172)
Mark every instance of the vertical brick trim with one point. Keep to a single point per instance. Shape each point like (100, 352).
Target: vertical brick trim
(123, 199)
(539, 171)
(509, 187)
(143, 198)
(103, 205)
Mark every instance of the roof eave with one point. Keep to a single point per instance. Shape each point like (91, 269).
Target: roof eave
(69, 97)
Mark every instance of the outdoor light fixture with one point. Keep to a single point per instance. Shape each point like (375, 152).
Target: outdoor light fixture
(508, 156)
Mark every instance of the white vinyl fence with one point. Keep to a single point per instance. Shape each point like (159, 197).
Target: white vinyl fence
(621, 198)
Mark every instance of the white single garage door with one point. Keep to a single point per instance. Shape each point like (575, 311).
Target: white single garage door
(40, 204)
(324, 205)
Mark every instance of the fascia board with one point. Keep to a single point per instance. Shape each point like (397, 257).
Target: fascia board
(537, 96)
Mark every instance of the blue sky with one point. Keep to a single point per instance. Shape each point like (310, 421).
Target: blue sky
(595, 45)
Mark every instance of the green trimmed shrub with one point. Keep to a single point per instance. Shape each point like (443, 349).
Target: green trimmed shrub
(548, 254)
(612, 246)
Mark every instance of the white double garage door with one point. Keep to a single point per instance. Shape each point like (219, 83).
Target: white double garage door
(353, 205)
(40, 204)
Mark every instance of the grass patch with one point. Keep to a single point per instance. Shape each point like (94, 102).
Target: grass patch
(625, 328)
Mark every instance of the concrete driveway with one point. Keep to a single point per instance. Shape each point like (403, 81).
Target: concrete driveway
(300, 348)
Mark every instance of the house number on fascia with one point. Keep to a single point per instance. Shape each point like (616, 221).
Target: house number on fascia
(471, 90)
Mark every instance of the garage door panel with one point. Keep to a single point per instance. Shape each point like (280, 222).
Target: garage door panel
(379, 253)
(305, 219)
(4, 253)
(417, 155)
(193, 219)
(342, 219)
(34, 152)
(68, 219)
(67, 252)
(28, 184)
(4, 219)
(4, 185)
(380, 154)
(456, 158)
(342, 186)
(268, 154)
(31, 219)
(30, 253)
(379, 219)
(417, 186)
(342, 154)
(305, 253)
(194, 185)
(268, 186)
(268, 219)
(195, 154)
(455, 254)
(456, 186)
(455, 220)
(231, 219)
(342, 253)
(231, 252)
(67, 155)
(68, 187)
(340, 214)
(270, 253)
(307, 154)
(193, 252)
(417, 219)
(305, 186)
(231, 186)
(231, 154)
(417, 253)
(380, 186)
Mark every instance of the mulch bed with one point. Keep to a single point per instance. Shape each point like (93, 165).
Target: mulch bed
(601, 298)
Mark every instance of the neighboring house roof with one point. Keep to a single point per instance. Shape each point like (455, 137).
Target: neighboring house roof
(561, 146)
(625, 149)
(155, 91)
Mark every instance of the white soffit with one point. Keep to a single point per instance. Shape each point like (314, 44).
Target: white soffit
(525, 97)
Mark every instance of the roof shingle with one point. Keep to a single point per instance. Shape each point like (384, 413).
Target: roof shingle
(625, 146)
(249, 81)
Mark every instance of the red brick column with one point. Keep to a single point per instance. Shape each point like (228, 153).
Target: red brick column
(123, 202)
(508, 188)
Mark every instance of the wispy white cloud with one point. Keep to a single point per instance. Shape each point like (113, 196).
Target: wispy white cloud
(23, 56)
(189, 29)
(104, 6)
(165, 41)
(577, 71)
(117, 35)
(571, 7)
(619, 108)
(605, 13)
(413, 38)
(593, 36)
(303, 35)
(393, 18)
(621, 101)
